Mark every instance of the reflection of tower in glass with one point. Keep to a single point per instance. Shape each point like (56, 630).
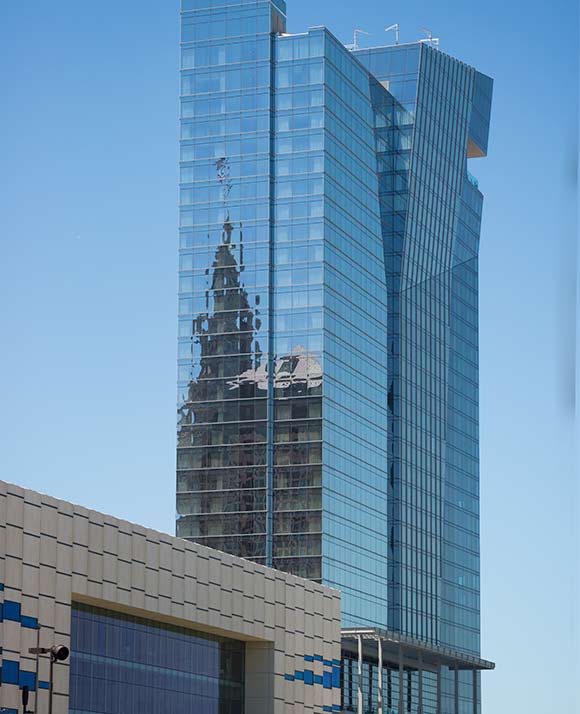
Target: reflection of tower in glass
(222, 421)
(223, 459)
(297, 542)
(238, 490)
(361, 235)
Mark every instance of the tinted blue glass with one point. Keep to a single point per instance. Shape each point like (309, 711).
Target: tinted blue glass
(121, 663)
(223, 461)
(12, 610)
(328, 359)
(10, 671)
(431, 249)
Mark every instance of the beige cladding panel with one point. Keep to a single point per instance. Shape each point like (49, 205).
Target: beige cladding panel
(52, 553)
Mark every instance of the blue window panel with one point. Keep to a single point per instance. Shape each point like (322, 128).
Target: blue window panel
(299, 675)
(30, 622)
(336, 707)
(289, 677)
(336, 676)
(10, 671)
(308, 676)
(317, 679)
(1, 611)
(327, 663)
(27, 679)
(318, 658)
(327, 680)
(309, 658)
(1, 586)
(336, 662)
(12, 610)
(326, 708)
(9, 711)
(43, 685)
(134, 650)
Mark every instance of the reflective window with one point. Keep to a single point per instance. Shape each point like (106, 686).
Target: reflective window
(121, 663)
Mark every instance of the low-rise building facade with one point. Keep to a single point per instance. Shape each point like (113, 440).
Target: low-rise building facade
(153, 623)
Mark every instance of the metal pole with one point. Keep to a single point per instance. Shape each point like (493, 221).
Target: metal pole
(456, 690)
(360, 677)
(474, 691)
(439, 710)
(401, 681)
(350, 694)
(380, 673)
(50, 684)
(420, 707)
(36, 675)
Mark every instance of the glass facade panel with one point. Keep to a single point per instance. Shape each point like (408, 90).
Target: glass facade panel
(328, 349)
(431, 213)
(121, 663)
(224, 458)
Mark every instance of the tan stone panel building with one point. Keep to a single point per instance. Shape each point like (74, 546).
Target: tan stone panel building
(149, 615)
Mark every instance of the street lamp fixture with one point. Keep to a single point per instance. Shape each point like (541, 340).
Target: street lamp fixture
(57, 653)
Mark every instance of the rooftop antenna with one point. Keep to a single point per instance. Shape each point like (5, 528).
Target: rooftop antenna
(356, 33)
(394, 27)
(433, 41)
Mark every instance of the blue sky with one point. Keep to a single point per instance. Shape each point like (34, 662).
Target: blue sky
(88, 218)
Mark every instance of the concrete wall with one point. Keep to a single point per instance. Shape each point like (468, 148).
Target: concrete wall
(53, 553)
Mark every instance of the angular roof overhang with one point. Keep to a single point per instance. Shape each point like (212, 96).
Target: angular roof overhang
(413, 653)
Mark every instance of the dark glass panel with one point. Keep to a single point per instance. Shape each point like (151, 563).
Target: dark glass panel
(244, 546)
(296, 476)
(297, 499)
(304, 567)
(121, 663)
(303, 544)
(221, 479)
(226, 524)
(221, 502)
(298, 522)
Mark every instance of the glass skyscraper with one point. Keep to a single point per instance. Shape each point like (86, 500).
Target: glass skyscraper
(328, 313)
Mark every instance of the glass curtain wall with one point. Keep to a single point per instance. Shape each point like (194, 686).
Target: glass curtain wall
(431, 211)
(355, 340)
(297, 268)
(330, 326)
(328, 357)
(223, 458)
(121, 663)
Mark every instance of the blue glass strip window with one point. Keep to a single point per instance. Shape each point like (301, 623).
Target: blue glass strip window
(12, 610)
(27, 679)
(10, 671)
(43, 685)
(327, 679)
(30, 622)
